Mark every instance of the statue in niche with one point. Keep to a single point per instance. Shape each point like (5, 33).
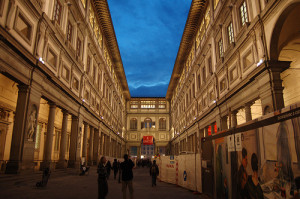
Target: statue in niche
(32, 124)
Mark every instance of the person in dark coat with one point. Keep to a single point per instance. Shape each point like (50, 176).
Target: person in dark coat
(108, 168)
(115, 168)
(102, 179)
(127, 176)
(154, 172)
(252, 188)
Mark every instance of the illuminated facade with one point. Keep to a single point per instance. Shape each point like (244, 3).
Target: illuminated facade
(63, 87)
(238, 60)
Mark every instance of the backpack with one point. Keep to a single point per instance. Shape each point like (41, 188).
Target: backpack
(153, 170)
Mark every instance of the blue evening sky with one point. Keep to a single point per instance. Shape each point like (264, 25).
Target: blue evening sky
(149, 34)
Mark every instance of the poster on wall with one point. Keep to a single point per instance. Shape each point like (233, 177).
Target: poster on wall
(222, 179)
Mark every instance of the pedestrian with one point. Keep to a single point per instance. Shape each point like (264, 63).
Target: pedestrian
(127, 176)
(102, 179)
(154, 171)
(108, 168)
(115, 168)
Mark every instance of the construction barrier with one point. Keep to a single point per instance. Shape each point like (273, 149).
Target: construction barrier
(183, 170)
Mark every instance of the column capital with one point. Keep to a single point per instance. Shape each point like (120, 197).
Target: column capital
(51, 104)
(23, 88)
(65, 112)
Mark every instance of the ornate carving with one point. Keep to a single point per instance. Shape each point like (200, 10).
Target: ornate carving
(32, 123)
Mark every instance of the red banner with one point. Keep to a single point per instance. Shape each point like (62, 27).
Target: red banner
(147, 140)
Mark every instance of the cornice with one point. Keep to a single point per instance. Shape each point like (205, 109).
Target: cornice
(190, 30)
(104, 17)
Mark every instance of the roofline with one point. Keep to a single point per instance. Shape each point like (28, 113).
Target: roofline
(190, 30)
(103, 14)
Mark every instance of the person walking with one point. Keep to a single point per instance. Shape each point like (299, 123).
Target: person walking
(115, 168)
(154, 171)
(127, 176)
(102, 179)
(108, 168)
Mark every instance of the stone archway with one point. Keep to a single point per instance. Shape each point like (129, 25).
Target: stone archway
(285, 46)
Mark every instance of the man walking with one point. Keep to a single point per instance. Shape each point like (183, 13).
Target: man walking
(102, 179)
(127, 176)
(154, 171)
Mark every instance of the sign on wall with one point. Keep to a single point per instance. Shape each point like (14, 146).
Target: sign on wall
(147, 140)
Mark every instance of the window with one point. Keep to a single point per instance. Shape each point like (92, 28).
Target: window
(94, 73)
(148, 104)
(209, 65)
(134, 104)
(203, 74)
(248, 59)
(51, 58)
(162, 124)
(243, 13)
(232, 74)
(69, 32)
(162, 104)
(78, 48)
(133, 124)
(57, 11)
(23, 27)
(88, 64)
(65, 73)
(86, 95)
(148, 123)
(230, 33)
(199, 81)
(220, 47)
(223, 84)
(75, 84)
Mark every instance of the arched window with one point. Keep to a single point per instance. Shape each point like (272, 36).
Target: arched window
(162, 124)
(133, 124)
(148, 123)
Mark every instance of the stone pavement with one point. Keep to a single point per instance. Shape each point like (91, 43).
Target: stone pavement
(68, 184)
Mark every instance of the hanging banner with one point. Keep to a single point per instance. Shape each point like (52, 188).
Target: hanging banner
(147, 140)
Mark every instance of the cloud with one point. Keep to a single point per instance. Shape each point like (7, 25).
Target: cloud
(152, 91)
(148, 34)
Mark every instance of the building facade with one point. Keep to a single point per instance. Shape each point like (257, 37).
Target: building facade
(148, 118)
(238, 60)
(63, 87)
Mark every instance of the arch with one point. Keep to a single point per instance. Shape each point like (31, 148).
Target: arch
(162, 123)
(133, 124)
(286, 29)
(148, 123)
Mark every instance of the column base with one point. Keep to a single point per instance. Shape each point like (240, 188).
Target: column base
(13, 167)
(47, 164)
(61, 164)
(74, 164)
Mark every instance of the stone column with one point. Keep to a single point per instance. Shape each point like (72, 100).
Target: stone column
(47, 162)
(63, 141)
(233, 119)
(75, 143)
(84, 143)
(270, 85)
(15, 159)
(96, 147)
(248, 114)
(91, 141)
